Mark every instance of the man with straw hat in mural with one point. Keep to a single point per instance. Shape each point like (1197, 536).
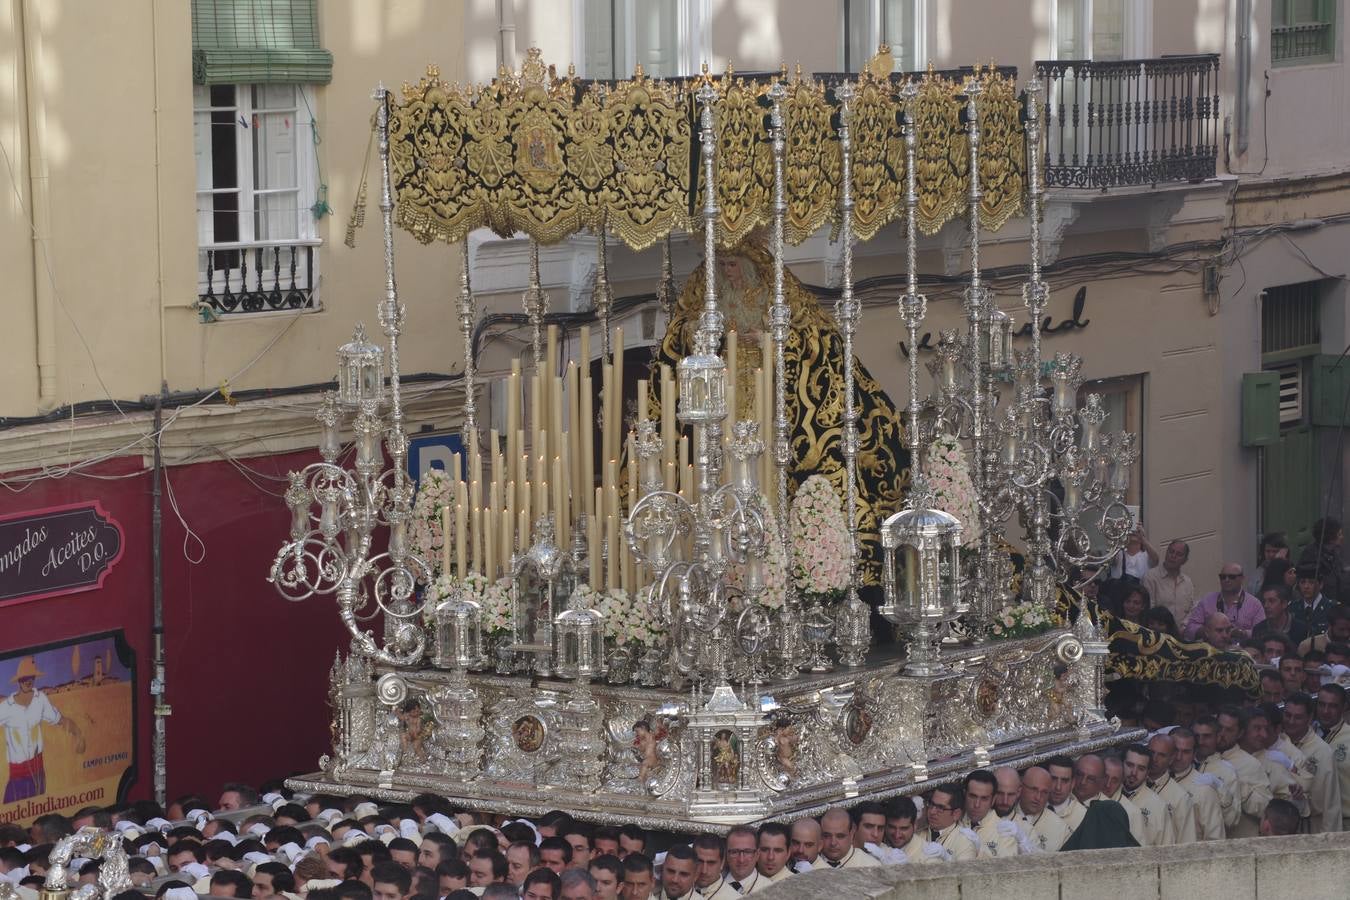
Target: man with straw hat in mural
(22, 715)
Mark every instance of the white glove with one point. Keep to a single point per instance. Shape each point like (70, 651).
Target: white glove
(272, 797)
(800, 865)
(934, 850)
(290, 852)
(408, 828)
(1282, 759)
(1208, 780)
(1025, 846)
(890, 856)
(442, 823)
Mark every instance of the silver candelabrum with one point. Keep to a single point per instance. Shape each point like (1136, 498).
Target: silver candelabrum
(338, 507)
(723, 523)
(1045, 458)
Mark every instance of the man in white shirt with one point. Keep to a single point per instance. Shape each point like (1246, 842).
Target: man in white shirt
(741, 878)
(836, 843)
(22, 716)
(944, 809)
(1204, 790)
(1324, 788)
(1047, 830)
(773, 852)
(1062, 801)
(1157, 822)
(998, 837)
(1114, 782)
(1162, 751)
(1253, 785)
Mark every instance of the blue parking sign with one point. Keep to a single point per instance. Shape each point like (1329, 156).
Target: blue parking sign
(434, 451)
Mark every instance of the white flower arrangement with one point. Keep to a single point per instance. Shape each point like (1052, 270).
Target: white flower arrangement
(1022, 620)
(628, 619)
(820, 542)
(774, 570)
(441, 589)
(428, 537)
(953, 491)
(494, 601)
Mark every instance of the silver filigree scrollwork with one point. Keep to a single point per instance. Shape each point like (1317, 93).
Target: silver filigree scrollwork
(335, 509)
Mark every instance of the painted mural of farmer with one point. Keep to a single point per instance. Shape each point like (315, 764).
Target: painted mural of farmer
(22, 715)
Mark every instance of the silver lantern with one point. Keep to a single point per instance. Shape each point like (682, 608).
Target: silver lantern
(579, 641)
(360, 372)
(459, 634)
(703, 387)
(928, 540)
(539, 577)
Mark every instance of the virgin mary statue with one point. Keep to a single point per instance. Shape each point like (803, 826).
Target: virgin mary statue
(814, 376)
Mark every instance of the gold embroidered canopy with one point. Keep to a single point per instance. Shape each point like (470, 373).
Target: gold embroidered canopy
(549, 156)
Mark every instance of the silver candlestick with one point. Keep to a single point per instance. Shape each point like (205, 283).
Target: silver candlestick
(853, 635)
(787, 637)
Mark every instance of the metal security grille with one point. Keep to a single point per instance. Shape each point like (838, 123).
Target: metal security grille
(1291, 319)
(1302, 32)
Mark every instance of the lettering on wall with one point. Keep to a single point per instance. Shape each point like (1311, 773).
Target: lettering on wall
(57, 550)
(1075, 322)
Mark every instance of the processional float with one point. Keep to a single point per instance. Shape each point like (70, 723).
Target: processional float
(623, 654)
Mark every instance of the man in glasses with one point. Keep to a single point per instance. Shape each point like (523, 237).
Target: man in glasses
(945, 807)
(1241, 608)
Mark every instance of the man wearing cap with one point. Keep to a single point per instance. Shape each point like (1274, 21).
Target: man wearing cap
(22, 715)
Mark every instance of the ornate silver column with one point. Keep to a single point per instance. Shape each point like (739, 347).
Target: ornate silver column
(1035, 295)
(787, 633)
(853, 635)
(535, 301)
(603, 295)
(467, 313)
(978, 305)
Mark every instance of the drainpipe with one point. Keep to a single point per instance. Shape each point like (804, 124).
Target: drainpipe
(44, 291)
(506, 35)
(1244, 70)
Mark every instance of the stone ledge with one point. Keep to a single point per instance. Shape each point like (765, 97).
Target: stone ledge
(1306, 867)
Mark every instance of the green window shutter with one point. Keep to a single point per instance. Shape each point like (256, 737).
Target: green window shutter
(1330, 379)
(1260, 408)
(258, 41)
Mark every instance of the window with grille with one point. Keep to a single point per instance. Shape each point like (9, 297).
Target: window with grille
(256, 231)
(1302, 32)
(258, 190)
(1291, 321)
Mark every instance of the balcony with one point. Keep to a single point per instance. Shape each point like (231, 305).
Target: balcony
(245, 278)
(1134, 122)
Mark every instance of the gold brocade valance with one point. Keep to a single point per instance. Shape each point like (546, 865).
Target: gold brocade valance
(549, 156)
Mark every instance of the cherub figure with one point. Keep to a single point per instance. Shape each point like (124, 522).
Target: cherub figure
(645, 743)
(786, 744)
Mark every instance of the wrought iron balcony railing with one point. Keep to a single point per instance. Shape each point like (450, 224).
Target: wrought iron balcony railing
(1130, 122)
(259, 277)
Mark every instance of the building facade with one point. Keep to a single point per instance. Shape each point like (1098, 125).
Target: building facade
(183, 175)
